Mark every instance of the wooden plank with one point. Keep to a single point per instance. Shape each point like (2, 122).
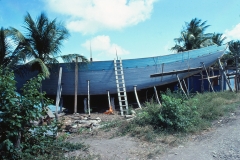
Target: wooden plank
(211, 77)
(175, 72)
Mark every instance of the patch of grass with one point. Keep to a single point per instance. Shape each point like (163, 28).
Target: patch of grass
(179, 115)
(112, 124)
(211, 106)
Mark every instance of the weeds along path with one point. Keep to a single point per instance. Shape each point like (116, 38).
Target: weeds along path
(221, 143)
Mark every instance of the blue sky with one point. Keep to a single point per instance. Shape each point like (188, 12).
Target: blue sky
(133, 28)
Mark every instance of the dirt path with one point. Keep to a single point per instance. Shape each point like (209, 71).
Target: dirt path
(222, 142)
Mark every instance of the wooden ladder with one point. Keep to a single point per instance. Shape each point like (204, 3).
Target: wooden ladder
(121, 89)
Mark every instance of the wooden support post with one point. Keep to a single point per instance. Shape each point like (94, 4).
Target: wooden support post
(209, 84)
(207, 76)
(237, 81)
(58, 91)
(85, 105)
(113, 104)
(76, 85)
(162, 71)
(157, 96)
(221, 73)
(186, 87)
(225, 76)
(202, 86)
(88, 97)
(181, 86)
(109, 102)
(135, 90)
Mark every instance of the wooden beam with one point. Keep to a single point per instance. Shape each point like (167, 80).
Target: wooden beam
(88, 97)
(211, 77)
(208, 77)
(76, 85)
(58, 96)
(135, 91)
(225, 76)
(175, 72)
(157, 96)
(181, 86)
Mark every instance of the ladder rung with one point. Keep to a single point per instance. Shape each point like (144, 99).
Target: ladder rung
(122, 98)
(120, 82)
(121, 87)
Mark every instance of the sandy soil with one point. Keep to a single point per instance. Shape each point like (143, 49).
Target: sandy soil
(222, 141)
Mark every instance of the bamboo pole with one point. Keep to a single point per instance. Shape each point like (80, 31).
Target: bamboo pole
(157, 96)
(109, 102)
(202, 87)
(181, 86)
(237, 81)
(58, 91)
(186, 87)
(88, 97)
(225, 76)
(76, 85)
(135, 91)
(208, 77)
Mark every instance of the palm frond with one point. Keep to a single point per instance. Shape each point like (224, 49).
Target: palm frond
(38, 65)
(71, 57)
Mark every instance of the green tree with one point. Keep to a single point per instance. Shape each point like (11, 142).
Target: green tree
(233, 53)
(9, 42)
(42, 43)
(18, 112)
(218, 39)
(193, 36)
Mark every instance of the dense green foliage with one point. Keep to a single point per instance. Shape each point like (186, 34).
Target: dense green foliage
(179, 115)
(19, 137)
(18, 112)
(174, 114)
(233, 53)
(193, 36)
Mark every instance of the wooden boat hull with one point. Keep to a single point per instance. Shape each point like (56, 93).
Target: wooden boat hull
(101, 74)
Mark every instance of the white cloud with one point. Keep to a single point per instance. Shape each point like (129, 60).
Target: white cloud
(91, 16)
(233, 34)
(103, 46)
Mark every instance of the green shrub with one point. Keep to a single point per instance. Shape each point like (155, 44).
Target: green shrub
(177, 115)
(19, 138)
(17, 113)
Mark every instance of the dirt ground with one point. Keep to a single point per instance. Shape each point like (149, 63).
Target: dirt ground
(221, 142)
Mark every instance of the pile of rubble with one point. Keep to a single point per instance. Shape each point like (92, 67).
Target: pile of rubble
(76, 121)
(73, 123)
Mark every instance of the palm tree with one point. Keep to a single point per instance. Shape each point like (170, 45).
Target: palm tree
(10, 40)
(233, 53)
(5, 52)
(193, 36)
(218, 39)
(42, 43)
